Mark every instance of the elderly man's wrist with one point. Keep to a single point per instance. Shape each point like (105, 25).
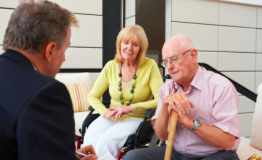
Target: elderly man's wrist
(197, 123)
(164, 105)
(190, 123)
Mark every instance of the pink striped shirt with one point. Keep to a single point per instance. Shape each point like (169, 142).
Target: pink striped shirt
(216, 104)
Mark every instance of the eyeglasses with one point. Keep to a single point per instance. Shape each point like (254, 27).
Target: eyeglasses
(173, 60)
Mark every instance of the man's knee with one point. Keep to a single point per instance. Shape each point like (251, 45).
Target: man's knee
(223, 155)
(131, 155)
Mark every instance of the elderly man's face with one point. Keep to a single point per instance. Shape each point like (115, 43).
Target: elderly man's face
(180, 69)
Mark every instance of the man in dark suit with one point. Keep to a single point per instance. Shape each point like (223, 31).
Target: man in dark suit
(36, 113)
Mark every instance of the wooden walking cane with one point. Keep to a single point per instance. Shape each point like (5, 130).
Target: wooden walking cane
(171, 134)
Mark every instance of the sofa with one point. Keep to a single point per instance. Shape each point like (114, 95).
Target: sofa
(255, 146)
(78, 85)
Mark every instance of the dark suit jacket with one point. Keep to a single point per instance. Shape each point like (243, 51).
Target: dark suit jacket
(36, 114)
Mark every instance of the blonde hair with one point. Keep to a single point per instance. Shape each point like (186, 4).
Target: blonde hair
(137, 34)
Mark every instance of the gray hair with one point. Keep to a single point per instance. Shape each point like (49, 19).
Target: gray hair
(33, 24)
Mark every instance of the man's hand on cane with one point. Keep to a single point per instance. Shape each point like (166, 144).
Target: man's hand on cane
(178, 102)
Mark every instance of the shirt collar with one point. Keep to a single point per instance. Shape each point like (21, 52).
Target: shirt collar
(197, 81)
(34, 67)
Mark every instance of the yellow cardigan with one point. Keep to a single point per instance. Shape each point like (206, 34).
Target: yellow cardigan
(147, 86)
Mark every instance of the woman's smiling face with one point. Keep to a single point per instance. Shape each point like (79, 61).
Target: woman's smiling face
(130, 49)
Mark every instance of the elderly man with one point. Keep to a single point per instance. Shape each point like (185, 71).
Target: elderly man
(207, 106)
(36, 114)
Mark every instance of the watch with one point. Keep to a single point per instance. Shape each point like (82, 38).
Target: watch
(197, 124)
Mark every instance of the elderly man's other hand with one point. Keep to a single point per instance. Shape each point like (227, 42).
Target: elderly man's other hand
(178, 102)
(185, 120)
(89, 151)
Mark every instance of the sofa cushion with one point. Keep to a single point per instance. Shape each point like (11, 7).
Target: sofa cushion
(78, 93)
(245, 151)
(69, 79)
(256, 130)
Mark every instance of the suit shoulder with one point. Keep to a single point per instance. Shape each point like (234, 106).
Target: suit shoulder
(53, 84)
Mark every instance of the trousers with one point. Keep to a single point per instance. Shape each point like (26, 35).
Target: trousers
(158, 153)
(106, 135)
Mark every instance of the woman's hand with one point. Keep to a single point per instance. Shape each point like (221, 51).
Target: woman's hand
(110, 113)
(120, 111)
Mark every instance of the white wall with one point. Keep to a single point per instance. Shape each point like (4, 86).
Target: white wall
(228, 37)
(130, 12)
(247, 2)
(85, 51)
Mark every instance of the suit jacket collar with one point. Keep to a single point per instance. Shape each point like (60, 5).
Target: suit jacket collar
(18, 57)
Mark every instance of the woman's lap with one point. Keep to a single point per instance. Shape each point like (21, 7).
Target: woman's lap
(96, 129)
(107, 135)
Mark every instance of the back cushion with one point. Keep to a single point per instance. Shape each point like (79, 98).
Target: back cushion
(256, 130)
(78, 93)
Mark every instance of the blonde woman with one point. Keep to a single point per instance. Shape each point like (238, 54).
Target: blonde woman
(133, 81)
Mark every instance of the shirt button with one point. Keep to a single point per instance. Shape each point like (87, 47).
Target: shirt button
(181, 142)
(183, 126)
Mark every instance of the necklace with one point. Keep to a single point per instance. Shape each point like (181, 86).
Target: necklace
(120, 87)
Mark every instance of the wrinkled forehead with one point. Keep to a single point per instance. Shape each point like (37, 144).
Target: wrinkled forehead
(172, 49)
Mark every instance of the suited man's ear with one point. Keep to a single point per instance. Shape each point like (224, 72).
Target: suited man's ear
(49, 51)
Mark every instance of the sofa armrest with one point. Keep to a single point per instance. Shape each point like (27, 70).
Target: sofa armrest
(245, 151)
